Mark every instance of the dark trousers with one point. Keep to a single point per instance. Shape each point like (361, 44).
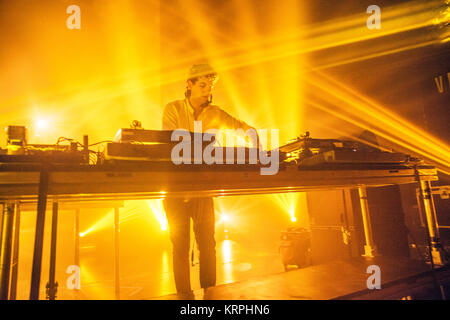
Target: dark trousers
(179, 212)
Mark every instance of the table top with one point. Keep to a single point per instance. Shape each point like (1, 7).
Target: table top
(146, 180)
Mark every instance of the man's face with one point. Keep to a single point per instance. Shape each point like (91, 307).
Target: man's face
(202, 88)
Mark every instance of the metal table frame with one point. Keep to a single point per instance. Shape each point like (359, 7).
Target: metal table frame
(72, 183)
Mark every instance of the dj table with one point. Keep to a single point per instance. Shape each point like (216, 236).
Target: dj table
(42, 182)
(156, 180)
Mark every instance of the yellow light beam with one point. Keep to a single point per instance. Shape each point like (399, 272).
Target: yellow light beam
(380, 133)
(367, 110)
(156, 206)
(404, 18)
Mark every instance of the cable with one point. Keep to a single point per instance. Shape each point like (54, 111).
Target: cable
(105, 141)
(61, 139)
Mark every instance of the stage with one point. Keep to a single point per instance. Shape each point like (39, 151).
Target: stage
(318, 128)
(401, 278)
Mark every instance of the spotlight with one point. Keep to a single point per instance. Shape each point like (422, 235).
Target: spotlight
(225, 217)
(41, 123)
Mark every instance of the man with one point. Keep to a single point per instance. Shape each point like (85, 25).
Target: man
(181, 114)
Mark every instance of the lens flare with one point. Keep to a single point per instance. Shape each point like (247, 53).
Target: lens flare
(133, 210)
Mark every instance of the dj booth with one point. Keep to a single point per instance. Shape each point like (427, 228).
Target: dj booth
(50, 178)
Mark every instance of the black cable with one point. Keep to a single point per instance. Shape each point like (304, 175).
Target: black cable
(61, 139)
(105, 141)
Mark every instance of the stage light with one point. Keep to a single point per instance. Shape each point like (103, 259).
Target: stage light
(287, 202)
(225, 217)
(106, 221)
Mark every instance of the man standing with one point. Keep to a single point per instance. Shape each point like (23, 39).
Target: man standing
(181, 114)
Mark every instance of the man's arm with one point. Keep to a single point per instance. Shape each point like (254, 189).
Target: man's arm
(233, 123)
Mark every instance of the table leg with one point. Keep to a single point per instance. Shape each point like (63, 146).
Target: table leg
(116, 253)
(39, 234)
(437, 253)
(369, 248)
(5, 256)
(15, 259)
(52, 286)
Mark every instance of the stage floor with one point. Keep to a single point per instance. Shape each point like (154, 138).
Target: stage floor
(334, 280)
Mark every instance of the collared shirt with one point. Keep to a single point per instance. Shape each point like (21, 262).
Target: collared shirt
(179, 114)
